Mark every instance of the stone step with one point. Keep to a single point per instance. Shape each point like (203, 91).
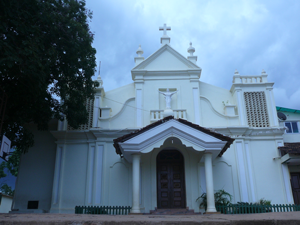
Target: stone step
(181, 211)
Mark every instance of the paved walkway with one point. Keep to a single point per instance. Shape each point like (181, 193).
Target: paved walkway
(285, 218)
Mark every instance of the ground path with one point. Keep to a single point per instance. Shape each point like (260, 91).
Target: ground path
(284, 218)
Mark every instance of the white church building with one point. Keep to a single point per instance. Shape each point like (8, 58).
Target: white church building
(160, 142)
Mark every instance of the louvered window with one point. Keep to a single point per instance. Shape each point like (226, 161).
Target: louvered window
(90, 109)
(256, 108)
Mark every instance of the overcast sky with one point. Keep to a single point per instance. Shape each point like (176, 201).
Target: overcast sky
(245, 35)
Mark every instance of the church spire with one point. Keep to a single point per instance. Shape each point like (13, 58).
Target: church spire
(165, 39)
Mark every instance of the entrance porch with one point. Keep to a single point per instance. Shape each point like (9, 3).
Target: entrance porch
(166, 158)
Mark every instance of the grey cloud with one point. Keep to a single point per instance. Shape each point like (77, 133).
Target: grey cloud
(227, 36)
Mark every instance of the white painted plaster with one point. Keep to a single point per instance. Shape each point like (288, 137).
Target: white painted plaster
(209, 183)
(202, 179)
(196, 105)
(242, 172)
(57, 176)
(96, 111)
(136, 183)
(273, 107)
(249, 164)
(241, 107)
(98, 174)
(90, 173)
(286, 177)
(138, 108)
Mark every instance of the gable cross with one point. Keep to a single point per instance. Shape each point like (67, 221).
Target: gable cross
(165, 28)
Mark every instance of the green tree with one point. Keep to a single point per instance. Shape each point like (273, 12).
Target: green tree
(4, 188)
(11, 165)
(46, 55)
(13, 162)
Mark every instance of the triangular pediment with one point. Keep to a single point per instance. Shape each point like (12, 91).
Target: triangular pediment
(164, 59)
(154, 135)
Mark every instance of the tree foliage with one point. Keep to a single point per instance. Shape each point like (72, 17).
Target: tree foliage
(13, 162)
(46, 55)
(11, 166)
(4, 188)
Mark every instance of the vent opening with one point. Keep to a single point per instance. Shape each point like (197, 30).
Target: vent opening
(33, 205)
(256, 108)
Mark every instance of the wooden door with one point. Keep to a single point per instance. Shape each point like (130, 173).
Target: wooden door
(170, 180)
(295, 181)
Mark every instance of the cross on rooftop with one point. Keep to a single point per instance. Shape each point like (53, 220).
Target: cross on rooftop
(165, 28)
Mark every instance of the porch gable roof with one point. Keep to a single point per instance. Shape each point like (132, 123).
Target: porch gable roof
(219, 136)
(290, 148)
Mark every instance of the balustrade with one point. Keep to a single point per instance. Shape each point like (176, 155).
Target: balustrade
(180, 113)
(249, 79)
(158, 114)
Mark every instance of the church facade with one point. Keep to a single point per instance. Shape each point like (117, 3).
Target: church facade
(160, 142)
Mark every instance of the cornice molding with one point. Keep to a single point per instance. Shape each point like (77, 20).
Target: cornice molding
(246, 131)
(243, 86)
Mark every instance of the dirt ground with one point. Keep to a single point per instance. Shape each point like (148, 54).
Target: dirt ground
(285, 218)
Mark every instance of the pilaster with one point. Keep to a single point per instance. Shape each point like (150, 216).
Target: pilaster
(286, 180)
(250, 171)
(273, 112)
(94, 174)
(241, 170)
(58, 178)
(240, 105)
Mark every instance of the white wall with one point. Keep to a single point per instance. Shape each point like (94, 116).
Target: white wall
(267, 171)
(5, 205)
(74, 175)
(35, 178)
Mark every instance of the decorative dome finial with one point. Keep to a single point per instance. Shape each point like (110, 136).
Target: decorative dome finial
(139, 51)
(99, 79)
(191, 49)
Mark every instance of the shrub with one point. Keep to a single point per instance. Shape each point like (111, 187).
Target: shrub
(221, 198)
(261, 202)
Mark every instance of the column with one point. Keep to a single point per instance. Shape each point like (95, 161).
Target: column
(136, 183)
(209, 183)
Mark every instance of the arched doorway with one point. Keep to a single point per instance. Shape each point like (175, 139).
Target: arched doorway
(170, 180)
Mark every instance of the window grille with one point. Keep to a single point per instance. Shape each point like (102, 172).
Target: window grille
(256, 108)
(90, 109)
